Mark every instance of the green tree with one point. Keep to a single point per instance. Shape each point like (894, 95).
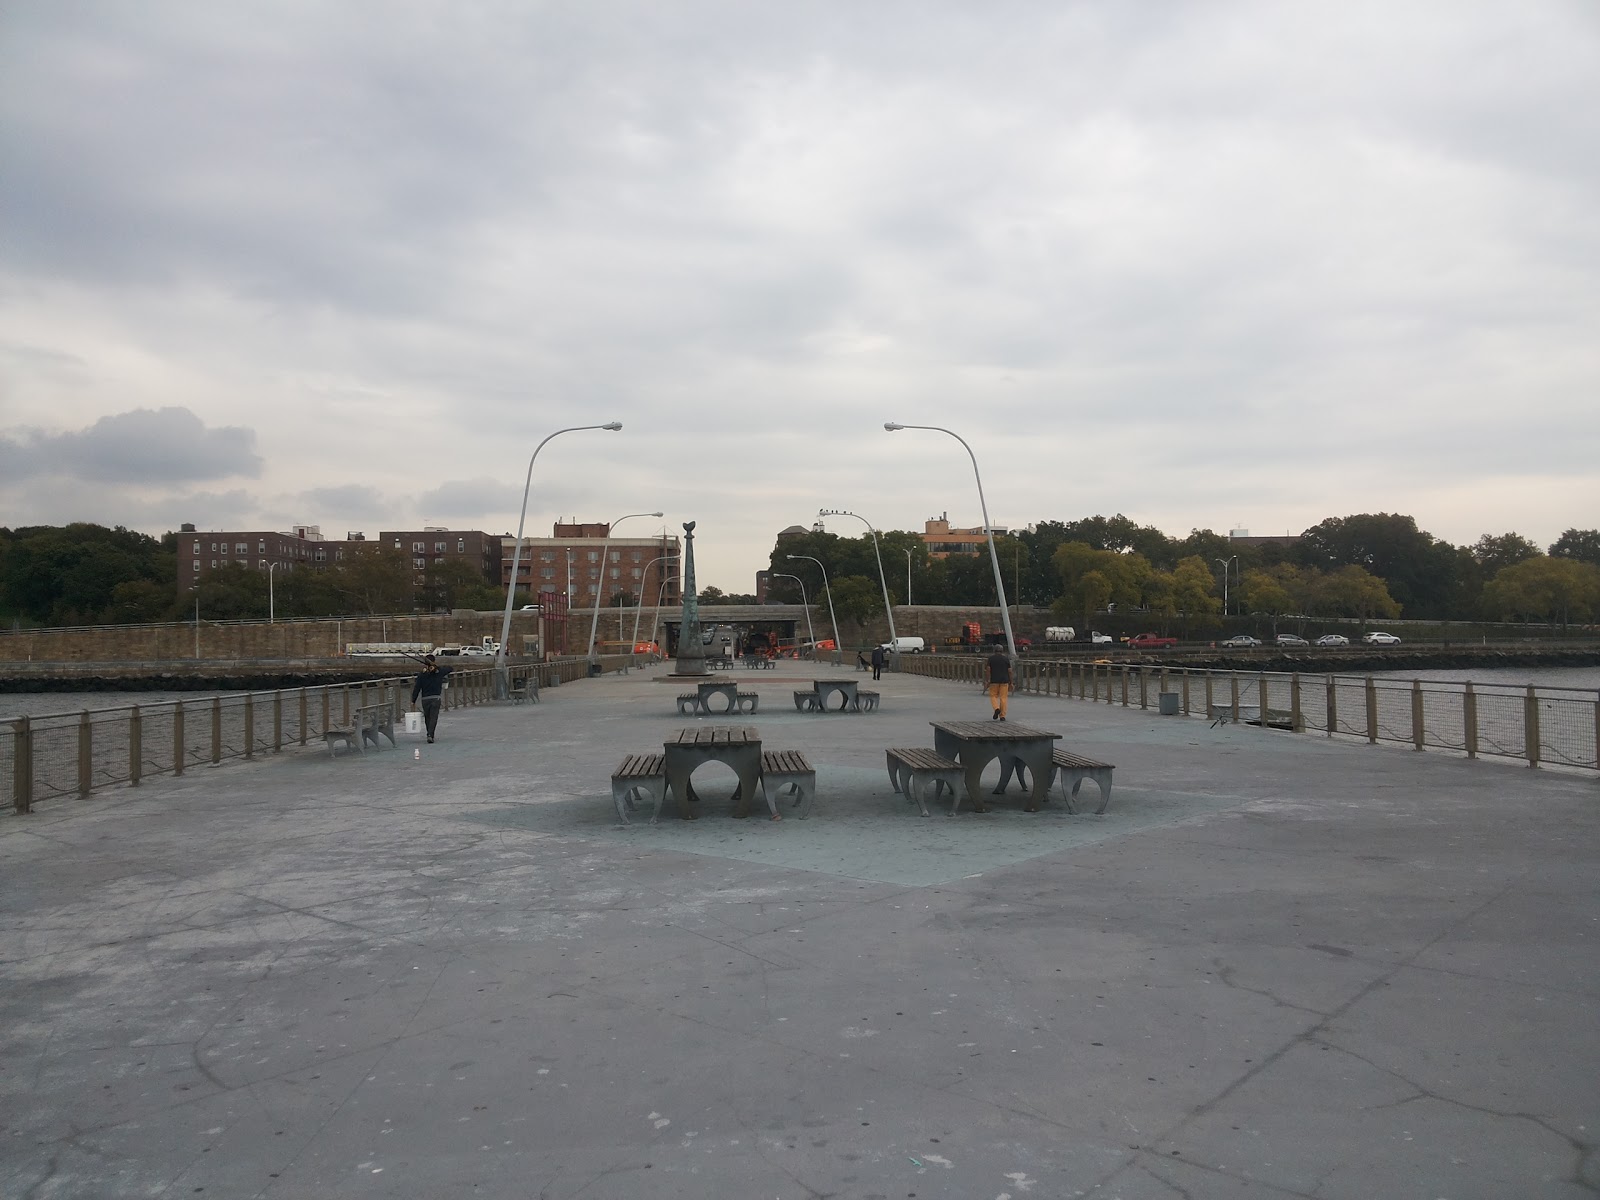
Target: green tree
(1555, 589)
(1263, 593)
(1420, 572)
(1354, 591)
(857, 598)
(1494, 552)
(447, 584)
(1581, 544)
(373, 579)
(1192, 588)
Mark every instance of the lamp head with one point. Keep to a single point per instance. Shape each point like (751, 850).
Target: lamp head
(660, 514)
(891, 426)
(614, 426)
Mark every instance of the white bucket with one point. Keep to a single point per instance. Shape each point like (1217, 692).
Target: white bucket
(413, 722)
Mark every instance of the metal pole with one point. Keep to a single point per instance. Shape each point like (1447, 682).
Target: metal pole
(594, 624)
(988, 529)
(908, 578)
(272, 607)
(838, 647)
(502, 672)
(882, 578)
(810, 632)
(639, 608)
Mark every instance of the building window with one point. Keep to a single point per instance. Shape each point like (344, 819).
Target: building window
(197, 564)
(213, 564)
(637, 572)
(635, 556)
(616, 572)
(262, 547)
(547, 573)
(547, 557)
(241, 547)
(438, 547)
(461, 545)
(262, 565)
(338, 554)
(321, 555)
(213, 547)
(418, 547)
(397, 543)
(419, 563)
(593, 588)
(594, 556)
(197, 547)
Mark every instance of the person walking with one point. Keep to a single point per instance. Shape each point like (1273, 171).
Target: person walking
(430, 686)
(999, 683)
(878, 659)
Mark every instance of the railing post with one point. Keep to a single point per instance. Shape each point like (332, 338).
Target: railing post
(1372, 711)
(1208, 693)
(1469, 719)
(178, 754)
(249, 725)
(277, 722)
(22, 765)
(1417, 731)
(85, 755)
(302, 716)
(216, 730)
(1530, 726)
(1297, 720)
(1124, 685)
(1185, 678)
(1333, 706)
(1261, 698)
(1233, 678)
(135, 746)
(1144, 693)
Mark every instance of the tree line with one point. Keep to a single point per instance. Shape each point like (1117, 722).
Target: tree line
(1371, 565)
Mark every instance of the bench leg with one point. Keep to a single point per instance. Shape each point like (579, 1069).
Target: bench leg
(1102, 780)
(894, 777)
(625, 792)
(915, 787)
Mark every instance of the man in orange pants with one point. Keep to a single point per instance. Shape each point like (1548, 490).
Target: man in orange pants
(999, 683)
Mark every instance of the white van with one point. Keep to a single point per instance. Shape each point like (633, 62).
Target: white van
(904, 645)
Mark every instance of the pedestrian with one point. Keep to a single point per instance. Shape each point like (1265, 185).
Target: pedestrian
(999, 683)
(878, 660)
(430, 686)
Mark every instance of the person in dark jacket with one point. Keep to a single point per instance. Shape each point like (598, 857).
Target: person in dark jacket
(999, 683)
(879, 658)
(430, 686)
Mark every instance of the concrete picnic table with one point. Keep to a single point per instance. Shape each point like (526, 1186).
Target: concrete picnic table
(975, 744)
(846, 688)
(737, 745)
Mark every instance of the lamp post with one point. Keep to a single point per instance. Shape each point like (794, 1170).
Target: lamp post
(272, 607)
(1225, 562)
(810, 632)
(988, 530)
(639, 608)
(908, 578)
(594, 624)
(837, 647)
(502, 671)
(888, 608)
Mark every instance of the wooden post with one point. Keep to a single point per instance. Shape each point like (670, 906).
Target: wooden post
(22, 765)
(1469, 719)
(1418, 734)
(1261, 697)
(1333, 706)
(1297, 720)
(277, 722)
(85, 755)
(1530, 726)
(178, 754)
(1185, 680)
(302, 716)
(1372, 711)
(1233, 677)
(1209, 696)
(249, 725)
(135, 747)
(1144, 691)
(1124, 685)
(216, 730)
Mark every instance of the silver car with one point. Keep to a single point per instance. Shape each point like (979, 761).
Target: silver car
(1333, 639)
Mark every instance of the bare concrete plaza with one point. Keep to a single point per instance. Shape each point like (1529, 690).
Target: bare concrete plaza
(1278, 966)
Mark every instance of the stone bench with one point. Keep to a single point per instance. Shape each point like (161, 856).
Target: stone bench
(912, 769)
(347, 735)
(788, 770)
(806, 701)
(866, 701)
(691, 704)
(1074, 767)
(1071, 769)
(635, 774)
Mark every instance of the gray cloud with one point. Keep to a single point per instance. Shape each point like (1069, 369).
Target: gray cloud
(350, 502)
(167, 445)
(467, 498)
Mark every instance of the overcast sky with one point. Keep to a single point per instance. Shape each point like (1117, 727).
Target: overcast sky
(1208, 264)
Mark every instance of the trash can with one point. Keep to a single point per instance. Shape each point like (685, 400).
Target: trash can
(595, 669)
(1169, 704)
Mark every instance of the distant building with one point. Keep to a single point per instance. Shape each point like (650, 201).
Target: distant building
(569, 564)
(942, 541)
(434, 545)
(1241, 537)
(267, 550)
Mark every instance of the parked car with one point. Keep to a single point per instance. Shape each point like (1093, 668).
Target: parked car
(1291, 639)
(1379, 638)
(1241, 639)
(1151, 641)
(1333, 639)
(1100, 639)
(904, 645)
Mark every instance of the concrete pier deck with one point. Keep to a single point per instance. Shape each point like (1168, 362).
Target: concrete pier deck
(1278, 966)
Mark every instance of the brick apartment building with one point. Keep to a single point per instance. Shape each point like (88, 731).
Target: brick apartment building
(435, 545)
(201, 552)
(569, 564)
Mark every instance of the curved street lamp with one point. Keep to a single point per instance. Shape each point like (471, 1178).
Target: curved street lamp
(1225, 562)
(810, 632)
(502, 672)
(660, 591)
(837, 645)
(594, 624)
(988, 530)
(882, 578)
